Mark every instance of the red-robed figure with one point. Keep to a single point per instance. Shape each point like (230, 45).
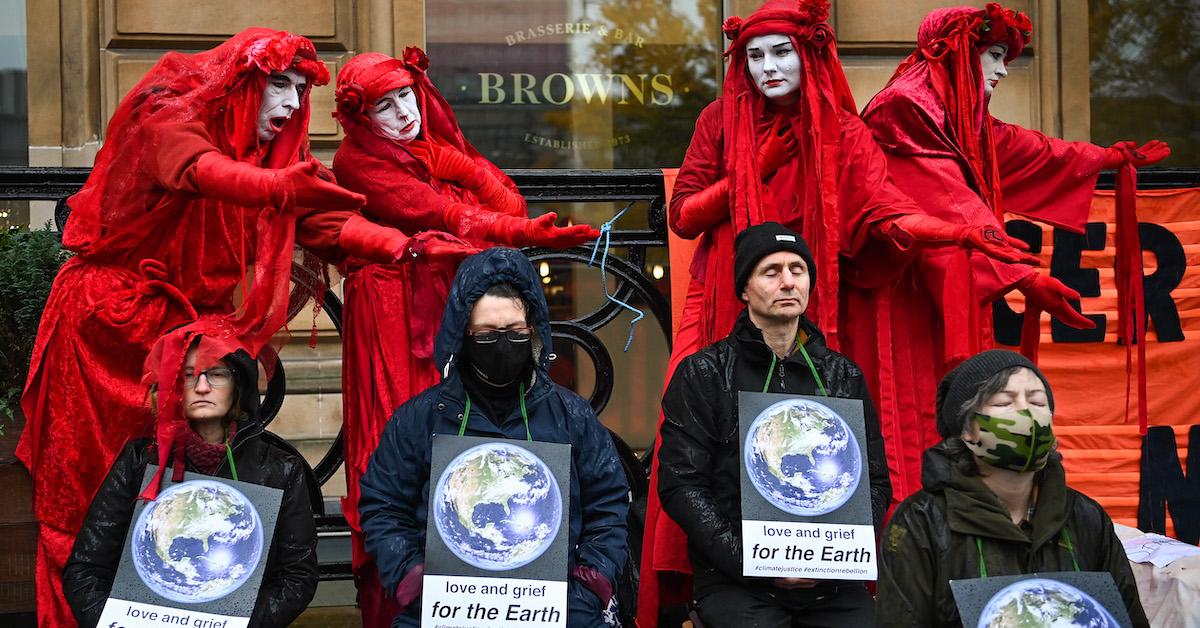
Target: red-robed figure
(405, 151)
(205, 171)
(965, 167)
(782, 144)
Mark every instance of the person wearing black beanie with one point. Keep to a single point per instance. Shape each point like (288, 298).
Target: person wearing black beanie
(773, 348)
(759, 241)
(995, 500)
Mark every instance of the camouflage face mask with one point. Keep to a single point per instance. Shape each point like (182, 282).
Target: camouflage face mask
(1020, 443)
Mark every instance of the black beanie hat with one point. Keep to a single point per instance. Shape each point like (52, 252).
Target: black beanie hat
(759, 241)
(962, 383)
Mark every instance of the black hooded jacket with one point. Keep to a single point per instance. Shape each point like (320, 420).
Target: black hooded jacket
(931, 540)
(260, 457)
(699, 472)
(395, 489)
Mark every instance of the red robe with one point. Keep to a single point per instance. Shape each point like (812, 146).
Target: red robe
(392, 314)
(939, 312)
(865, 197)
(151, 253)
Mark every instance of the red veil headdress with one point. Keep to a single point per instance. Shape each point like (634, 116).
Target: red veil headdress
(825, 97)
(369, 76)
(220, 89)
(949, 42)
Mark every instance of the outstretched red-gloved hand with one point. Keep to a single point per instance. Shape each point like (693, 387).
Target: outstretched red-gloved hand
(903, 230)
(439, 245)
(298, 185)
(362, 238)
(540, 231)
(776, 147)
(1051, 295)
(1147, 154)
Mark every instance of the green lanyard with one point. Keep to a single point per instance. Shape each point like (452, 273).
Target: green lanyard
(1066, 538)
(229, 456)
(808, 360)
(462, 427)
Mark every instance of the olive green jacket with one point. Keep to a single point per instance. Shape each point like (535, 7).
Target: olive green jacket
(931, 540)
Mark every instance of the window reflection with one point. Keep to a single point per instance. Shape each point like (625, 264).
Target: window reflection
(574, 84)
(1145, 74)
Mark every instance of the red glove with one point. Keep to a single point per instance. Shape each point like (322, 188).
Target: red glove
(444, 162)
(540, 231)
(1050, 295)
(439, 245)
(499, 197)
(700, 211)
(409, 588)
(594, 581)
(1147, 154)
(903, 230)
(300, 185)
(776, 148)
(447, 163)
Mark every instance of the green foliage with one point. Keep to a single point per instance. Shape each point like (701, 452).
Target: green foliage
(29, 260)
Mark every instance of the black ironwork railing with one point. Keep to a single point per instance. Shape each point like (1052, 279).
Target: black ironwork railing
(640, 190)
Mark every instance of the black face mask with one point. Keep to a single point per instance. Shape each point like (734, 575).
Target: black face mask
(498, 363)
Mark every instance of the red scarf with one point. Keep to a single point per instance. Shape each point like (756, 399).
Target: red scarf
(816, 121)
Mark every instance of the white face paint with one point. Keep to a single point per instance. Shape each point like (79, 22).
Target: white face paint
(774, 66)
(396, 115)
(992, 62)
(281, 98)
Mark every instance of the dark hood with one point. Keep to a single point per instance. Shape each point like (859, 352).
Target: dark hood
(245, 371)
(936, 468)
(475, 275)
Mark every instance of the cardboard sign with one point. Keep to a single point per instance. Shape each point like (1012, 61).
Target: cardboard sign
(1065, 598)
(806, 498)
(195, 555)
(496, 545)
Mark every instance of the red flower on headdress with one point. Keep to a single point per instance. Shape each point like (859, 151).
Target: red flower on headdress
(281, 51)
(822, 34)
(998, 21)
(813, 11)
(731, 27)
(349, 98)
(415, 59)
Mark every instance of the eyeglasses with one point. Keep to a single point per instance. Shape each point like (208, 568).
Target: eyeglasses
(217, 378)
(488, 336)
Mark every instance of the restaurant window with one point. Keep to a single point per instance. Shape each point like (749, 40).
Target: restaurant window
(585, 84)
(14, 108)
(1145, 74)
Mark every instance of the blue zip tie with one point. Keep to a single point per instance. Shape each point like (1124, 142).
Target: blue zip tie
(606, 234)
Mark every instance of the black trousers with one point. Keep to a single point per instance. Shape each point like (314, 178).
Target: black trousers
(735, 606)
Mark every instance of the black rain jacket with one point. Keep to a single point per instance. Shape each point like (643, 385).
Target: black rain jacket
(930, 541)
(699, 454)
(290, 578)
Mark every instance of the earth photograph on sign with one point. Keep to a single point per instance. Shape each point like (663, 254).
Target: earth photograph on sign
(1083, 599)
(197, 542)
(497, 506)
(802, 457)
(1045, 602)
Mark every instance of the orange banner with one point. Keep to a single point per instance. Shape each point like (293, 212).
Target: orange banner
(1101, 448)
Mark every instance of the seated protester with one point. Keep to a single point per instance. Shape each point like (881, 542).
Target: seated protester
(492, 349)
(995, 500)
(773, 345)
(225, 439)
